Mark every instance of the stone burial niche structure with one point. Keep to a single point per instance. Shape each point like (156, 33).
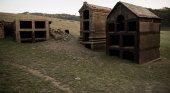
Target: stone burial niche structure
(31, 30)
(92, 25)
(133, 33)
(2, 30)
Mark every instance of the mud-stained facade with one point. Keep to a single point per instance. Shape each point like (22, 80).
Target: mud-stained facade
(2, 29)
(92, 25)
(133, 33)
(31, 30)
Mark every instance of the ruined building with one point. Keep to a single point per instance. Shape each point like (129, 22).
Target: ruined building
(92, 25)
(2, 29)
(133, 33)
(31, 30)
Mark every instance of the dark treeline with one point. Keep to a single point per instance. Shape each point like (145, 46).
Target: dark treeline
(163, 13)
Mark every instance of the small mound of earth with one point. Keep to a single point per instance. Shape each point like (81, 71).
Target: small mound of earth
(59, 34)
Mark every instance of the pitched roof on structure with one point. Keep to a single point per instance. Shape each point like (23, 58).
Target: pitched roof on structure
(98, 7)
(94, 7)
(138, 10)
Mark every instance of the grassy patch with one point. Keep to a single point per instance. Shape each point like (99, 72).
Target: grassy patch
(14, 80)
(66, 61)
(165, 44)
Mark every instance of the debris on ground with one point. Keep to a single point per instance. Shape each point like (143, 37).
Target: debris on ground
(78, 78)
(59, 34)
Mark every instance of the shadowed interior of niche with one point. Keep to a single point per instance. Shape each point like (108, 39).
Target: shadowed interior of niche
(39, 24)
(111, 27)
(120, 23)
(86, 37)
(86, 14)
(40, 34)
(128, 55)
(132, 26)
(86, 25)
(129, 40)
(25, 34)
(26, 24)
(114, 40)
(114, 52)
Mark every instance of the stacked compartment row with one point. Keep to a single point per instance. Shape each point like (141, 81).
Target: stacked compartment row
(92, 25)
(32, 30)
(86, 28)
(122, 38)
(1, 29)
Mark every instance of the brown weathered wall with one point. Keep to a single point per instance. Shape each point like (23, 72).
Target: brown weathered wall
(1, 30)
(149, 27)
(149, 40)
(149, 55)
(99, 21)
(97, 33)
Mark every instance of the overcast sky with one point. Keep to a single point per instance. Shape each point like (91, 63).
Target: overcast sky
(69, 6)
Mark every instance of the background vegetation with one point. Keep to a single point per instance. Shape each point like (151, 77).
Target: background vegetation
(163, 13)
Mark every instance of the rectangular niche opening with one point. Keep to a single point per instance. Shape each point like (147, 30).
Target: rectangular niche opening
(114, 40)
(25, 34)
(120, 21)
(88, 46)
(129, 41)
(86, 14)
(111, 27)
(39, 24)
(114, 52)
(121, 27)
(40, 34)
(86, 25)
(26, 24)
(132, 26)
(128, 55)
(86, 37)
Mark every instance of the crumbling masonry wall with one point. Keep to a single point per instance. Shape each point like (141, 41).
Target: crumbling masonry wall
(2, 29)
